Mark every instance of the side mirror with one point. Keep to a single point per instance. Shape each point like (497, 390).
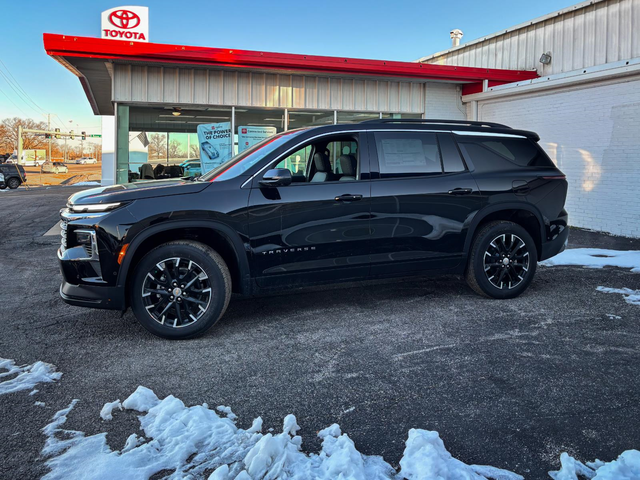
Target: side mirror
(276, 177)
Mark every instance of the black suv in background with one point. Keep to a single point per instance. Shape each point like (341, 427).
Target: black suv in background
(11, 176)
(334, 203)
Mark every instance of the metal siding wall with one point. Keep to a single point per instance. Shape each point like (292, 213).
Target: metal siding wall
(198, 86)
(595, 34)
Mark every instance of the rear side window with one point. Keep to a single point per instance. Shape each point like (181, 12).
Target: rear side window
(497, 153)
(407, 154)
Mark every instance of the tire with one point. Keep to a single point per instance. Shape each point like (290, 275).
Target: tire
(488, 260)
(184, 316)
(2, 187)
(13, 183)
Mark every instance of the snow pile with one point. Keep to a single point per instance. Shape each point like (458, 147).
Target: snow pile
(597, 258)
(191, 442)
(630, 296)
(626, 467)
(28, 376)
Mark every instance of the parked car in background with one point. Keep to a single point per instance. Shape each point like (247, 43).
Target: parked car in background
(86, 161)
(54, 167)
(383, 198)
(192, 167)
(12, 159)
(11, 176)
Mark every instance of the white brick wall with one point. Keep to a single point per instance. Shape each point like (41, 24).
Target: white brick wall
(592, 132)
(442, 101)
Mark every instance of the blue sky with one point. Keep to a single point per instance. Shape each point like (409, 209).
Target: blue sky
(390, 30)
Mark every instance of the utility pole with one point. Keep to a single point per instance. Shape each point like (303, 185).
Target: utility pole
(49, 128)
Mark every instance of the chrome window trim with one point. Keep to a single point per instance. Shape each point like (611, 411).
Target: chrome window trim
(299, 145)
(486, 134)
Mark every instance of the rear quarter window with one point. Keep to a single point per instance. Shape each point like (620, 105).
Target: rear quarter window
(497, 153)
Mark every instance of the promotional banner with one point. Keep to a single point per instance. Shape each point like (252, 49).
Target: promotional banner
(249, 136)
(215, 144)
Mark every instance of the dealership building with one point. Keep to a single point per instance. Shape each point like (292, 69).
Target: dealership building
(573, 76)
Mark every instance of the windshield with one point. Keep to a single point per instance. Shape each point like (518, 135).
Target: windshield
(242, 162)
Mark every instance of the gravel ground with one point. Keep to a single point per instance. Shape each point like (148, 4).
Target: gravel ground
(506, 383)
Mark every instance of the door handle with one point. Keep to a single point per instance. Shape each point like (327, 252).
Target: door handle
(460, 191)
(348, 198)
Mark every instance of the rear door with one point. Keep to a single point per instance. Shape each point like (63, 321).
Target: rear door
(313, 231)
(422, 200)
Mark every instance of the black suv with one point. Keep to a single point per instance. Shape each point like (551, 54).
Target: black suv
(11, 176)
(382, 198)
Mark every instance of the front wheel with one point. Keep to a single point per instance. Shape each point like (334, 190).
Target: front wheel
(13, 183)
(502, 261)
(180, 289)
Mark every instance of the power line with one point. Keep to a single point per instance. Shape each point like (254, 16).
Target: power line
(17, 84)
(14, 104)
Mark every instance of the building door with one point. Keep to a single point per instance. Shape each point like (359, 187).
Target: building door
(421, 198)
(317, 229)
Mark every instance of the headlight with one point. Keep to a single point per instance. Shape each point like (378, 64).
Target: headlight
(97, 207)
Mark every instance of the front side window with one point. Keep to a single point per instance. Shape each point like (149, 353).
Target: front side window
(407, 154)
(327, 160)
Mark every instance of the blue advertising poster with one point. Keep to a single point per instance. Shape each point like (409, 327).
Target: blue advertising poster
(215, 144)
(249, 136)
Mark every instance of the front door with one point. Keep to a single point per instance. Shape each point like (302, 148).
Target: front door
(316, 229)
(422, 198)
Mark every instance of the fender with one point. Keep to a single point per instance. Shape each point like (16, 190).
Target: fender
(497, 207)
(228, 232)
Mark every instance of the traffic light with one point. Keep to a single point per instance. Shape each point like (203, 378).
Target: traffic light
(84, 135)
(71, 134)
(57, 136)
(47, 136)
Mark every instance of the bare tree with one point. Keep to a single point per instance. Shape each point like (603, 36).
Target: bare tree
(157, 145)
(195, 151)
(9, 133)
(175, 150)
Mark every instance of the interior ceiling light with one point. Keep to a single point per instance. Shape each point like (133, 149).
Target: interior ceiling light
(177, 111)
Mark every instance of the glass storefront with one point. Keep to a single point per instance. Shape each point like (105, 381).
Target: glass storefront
(163, 140)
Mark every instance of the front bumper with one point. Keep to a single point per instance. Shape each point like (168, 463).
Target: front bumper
(110, 298)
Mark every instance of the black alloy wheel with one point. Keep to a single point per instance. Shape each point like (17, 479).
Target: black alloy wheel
(177, 291)
(502, 260)
(506, 261)
(13, 183)
(180, 289)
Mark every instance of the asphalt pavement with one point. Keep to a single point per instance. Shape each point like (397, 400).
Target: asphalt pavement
(506, 383)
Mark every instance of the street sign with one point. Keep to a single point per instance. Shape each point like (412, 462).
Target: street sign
(94, 136)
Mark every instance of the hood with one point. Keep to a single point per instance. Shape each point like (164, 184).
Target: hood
(135, 191)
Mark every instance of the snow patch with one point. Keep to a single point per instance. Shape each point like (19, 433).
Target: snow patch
(597, 258)
(39, 404)
(191, 440)
(108, 408)
(226, 410)
(630, 296)
(626, 467)
(27, 376)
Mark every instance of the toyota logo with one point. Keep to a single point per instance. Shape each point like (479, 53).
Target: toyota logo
(124, 19)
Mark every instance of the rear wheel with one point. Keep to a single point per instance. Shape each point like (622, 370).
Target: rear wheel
(503, 260)
(13, 183)
(180, 289)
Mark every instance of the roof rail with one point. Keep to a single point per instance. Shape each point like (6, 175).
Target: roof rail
(437, 122)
